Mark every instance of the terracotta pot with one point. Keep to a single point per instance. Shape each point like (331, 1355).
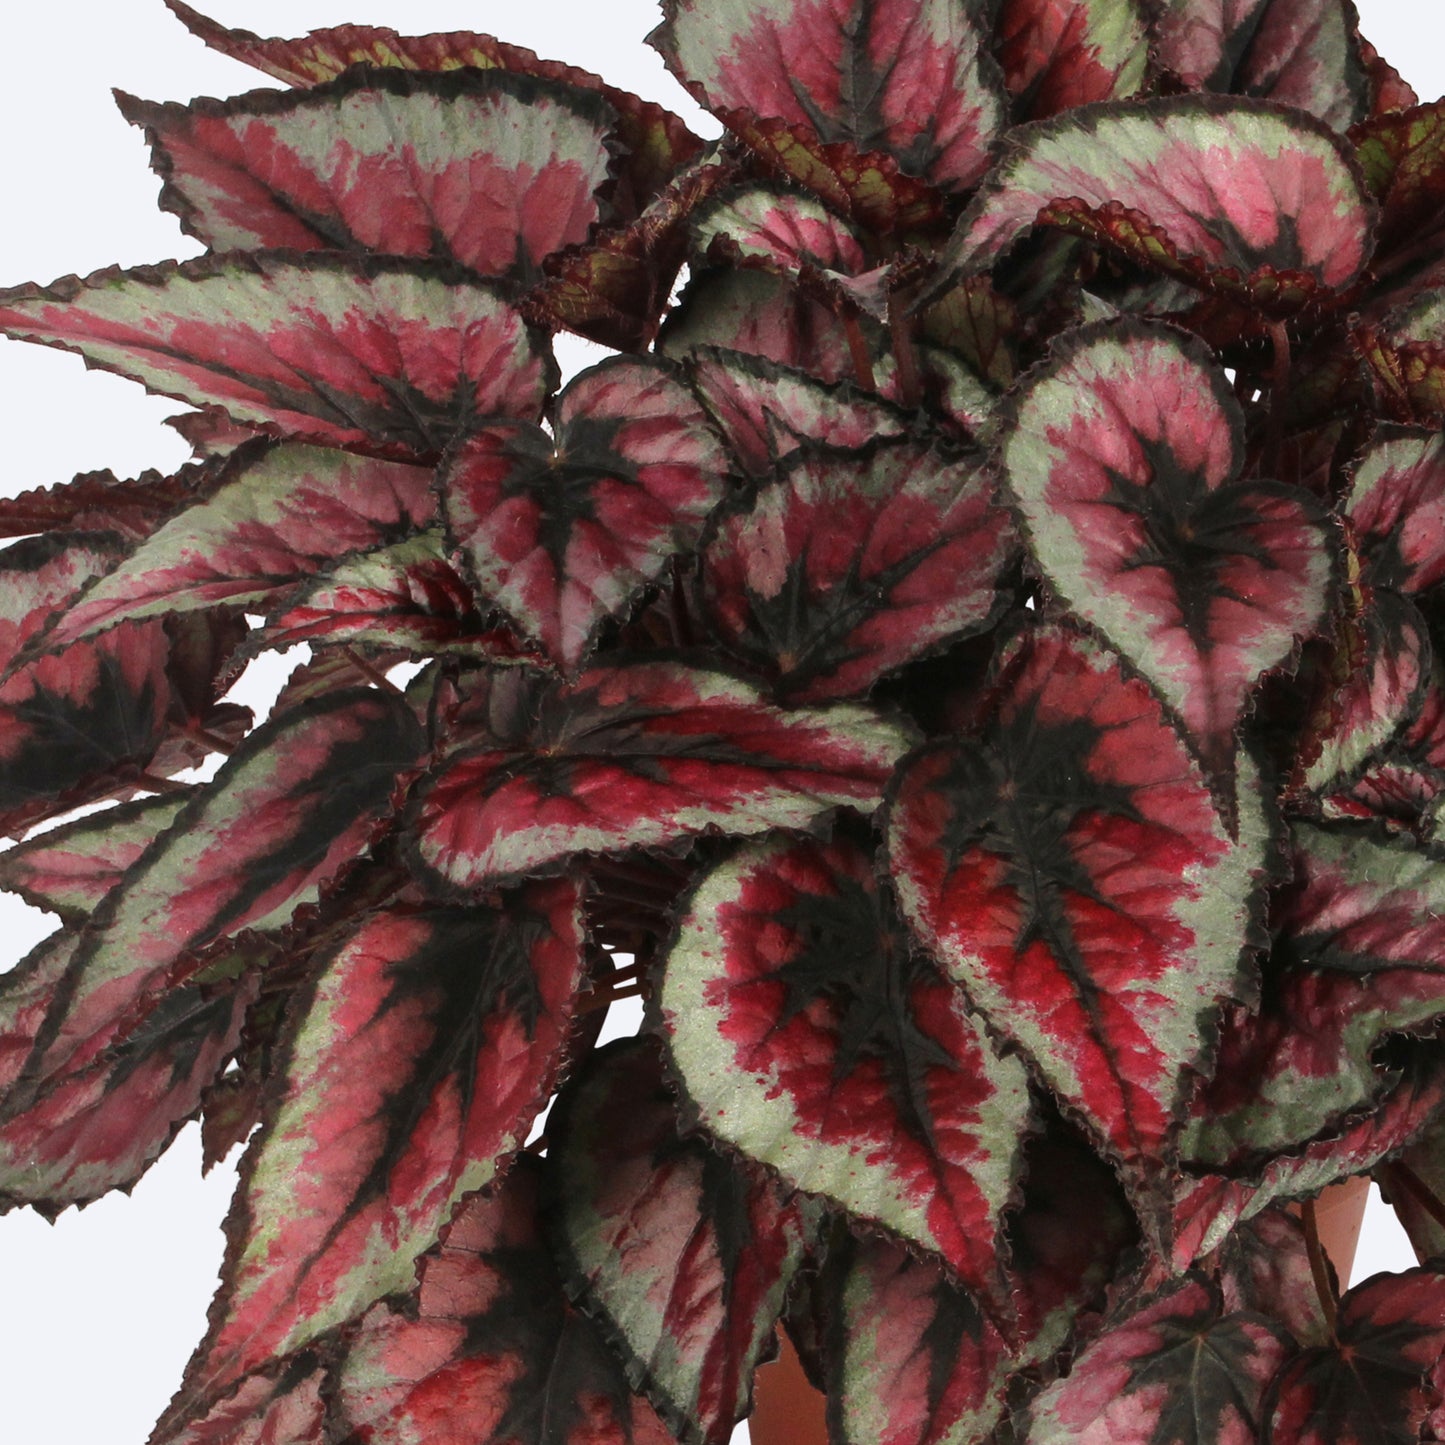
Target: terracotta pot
(789, 1411)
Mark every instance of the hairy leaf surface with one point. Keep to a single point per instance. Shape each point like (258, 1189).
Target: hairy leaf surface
(639, 755)
(362, 352)
(809, 1037)
(418, 1059)
(683, 1256)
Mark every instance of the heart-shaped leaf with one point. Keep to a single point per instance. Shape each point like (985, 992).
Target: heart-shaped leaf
(1304, 53)
(563, 528)
(1396, 509)
(682, 1256)
(1175, 1367)
(851, 564)
(1059, 54)
(493, 1352)
(321, 348)
(1070, 870)
(808, 1037)
(492, 170)
(418, 1059)
(639, 756)
(1123, 455)
(1238, 194)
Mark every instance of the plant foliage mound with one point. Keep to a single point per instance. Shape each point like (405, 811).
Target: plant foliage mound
(971, 658)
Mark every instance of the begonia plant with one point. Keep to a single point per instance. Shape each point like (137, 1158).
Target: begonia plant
(972, 660)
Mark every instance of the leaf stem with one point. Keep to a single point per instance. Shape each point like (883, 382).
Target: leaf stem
(857, 347)
(157, 784)
(1402, 1179)
(372, 675)
(1319, 1267)
(910, 385)
(1278, 389)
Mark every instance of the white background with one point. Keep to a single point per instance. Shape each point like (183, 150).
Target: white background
(99, 1313)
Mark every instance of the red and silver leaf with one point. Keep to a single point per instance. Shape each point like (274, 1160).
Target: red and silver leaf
(655, 141)
(1072, 873)
(68, 870)
(766, 411)
(681, 1255)
(1122, 454)
(1303, 53)
(280, 515)
(101, 1125)
(1058, 54)
(1264, 1266)
(281, 1406)
(562, 528)
(1175, 1368)
(910, 78)
(298, 800)
(493, 1353)
(1243, 193)
(370, 353)
(914, 1360)
(809, 1037)
(849, 565)
(1371, 1386)
(1373, 688)
(407, 596)
(490, 170)
(641, 755)
(1396, 508)
(417, 1062)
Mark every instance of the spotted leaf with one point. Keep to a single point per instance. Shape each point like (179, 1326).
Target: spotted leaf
(639, 755)
(1072, 873)
(904, 78)
(1123, 456)
(563, 528)
(494, 1352)
(1371, 1386)
(1058, 54)
(419, 1058)
(656, 142)
(279, 515)
(297, 801)
(1396, 509)
(681, 1255)
(381, 355)
(1304, 53)
(1173, 1368)
(766, 411)
(1237, 194)
(849, 565)
(492, 170)
(809, 1037)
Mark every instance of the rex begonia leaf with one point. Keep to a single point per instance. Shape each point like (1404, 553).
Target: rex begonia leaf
(1071, 871)
(279, 515)
(641, 755)
(680, 1253)
(408, 595)
(102, 502)
(297, 801)
(1407, 356)
(766, 411)
(1264, 1266)
(561, 529)
(491, 170)
(655, 141)
(1402, 156)
(282, 1405)
(1058, 54)
(1123, 455)
(1363, 938)
(1373, 687)
(68, 870)
(1304, 53)
(1240, 194)
(851, 564)
(808, 1036)
(418, 1059)
(494, 1353)
(99, 1125)
(371, 353)
(1370, 1387)
(1396, 508)
(1174, 1370)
